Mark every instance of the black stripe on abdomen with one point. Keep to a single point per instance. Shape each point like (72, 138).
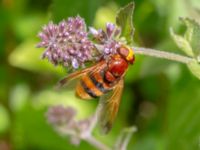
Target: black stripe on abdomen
(98, 84)
(88, 90)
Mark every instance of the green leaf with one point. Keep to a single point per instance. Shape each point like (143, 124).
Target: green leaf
(190, 42)
(194, 67)
(192, 35)
(125, 21)
(27, 57)
(182, 43)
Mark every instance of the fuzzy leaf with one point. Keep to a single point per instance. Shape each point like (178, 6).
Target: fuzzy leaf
(190, 42)
(194, 67)
(192, 35)
(125, 21)
(182, 43)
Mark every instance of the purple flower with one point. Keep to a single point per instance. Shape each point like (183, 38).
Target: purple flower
(110, 27)
(59, 115)
(70, 45)
(63, 119)
(65, 116)
(111, 47)
(107, 39)
(66, 43)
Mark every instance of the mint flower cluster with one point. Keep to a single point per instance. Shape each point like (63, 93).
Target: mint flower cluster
(66, 43)
(69, 44)
(107, 38)
(63, 119)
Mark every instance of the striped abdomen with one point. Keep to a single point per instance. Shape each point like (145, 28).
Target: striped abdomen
(97, 83)
(92, 85)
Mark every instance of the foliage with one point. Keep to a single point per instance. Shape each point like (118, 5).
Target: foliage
(190, 44)
(161, 98)
(125, 21)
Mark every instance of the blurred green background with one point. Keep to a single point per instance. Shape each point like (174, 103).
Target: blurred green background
(161, 98)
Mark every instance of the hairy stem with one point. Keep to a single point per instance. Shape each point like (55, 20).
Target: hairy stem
(124, 138)
(162, 54)
(88, 138)
(96, 143)
(93, 122)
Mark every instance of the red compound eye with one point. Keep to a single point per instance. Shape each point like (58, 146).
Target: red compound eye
(123, 51)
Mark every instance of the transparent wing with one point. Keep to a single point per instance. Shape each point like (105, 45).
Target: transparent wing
(76, 75)
(108, 107)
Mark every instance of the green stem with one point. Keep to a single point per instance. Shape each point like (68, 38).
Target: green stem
(162, 54)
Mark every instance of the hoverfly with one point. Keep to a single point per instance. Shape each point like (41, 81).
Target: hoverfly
(105, 79)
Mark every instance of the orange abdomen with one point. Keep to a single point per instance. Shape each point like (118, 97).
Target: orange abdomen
(92, 85)
(95, 84)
